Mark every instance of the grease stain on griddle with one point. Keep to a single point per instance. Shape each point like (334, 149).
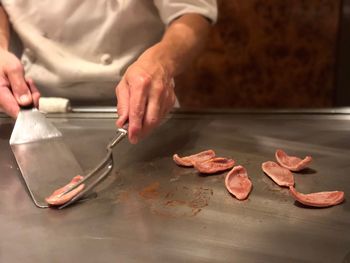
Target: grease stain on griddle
(217, 179)
(182, 201)
(123, 196)
(174, 179)
(150, 191)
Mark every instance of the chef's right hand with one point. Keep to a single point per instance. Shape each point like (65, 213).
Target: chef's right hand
(15, 90)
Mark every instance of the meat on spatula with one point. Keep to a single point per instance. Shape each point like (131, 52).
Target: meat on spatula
(319, 199)
(214, 165)
(189, 160)
(238, 183)
(292, 163)
(55, 198)
(280, 175)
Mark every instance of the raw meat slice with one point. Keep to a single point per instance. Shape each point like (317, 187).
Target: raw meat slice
(214, 165)
(292, 163)
(56, 199)
(238, 183)
(320, 199)
(189, 160)
(280, 175)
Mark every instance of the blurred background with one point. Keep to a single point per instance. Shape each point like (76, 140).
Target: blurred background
(273, 54)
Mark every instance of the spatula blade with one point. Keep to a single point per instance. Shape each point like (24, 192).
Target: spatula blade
(45, 166)
(31, 125)
(45, 161)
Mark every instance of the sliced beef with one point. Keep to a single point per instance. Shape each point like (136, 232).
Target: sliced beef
(320, 199)
(189, 160)
(238, 183)
(292, 163)
(214, 165)
(280, 175)
(56, 199)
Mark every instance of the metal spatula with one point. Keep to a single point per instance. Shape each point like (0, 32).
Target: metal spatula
(43, 157)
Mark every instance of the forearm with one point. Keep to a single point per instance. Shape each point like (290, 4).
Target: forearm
(146, 92)
(4, 29)
(183, 40)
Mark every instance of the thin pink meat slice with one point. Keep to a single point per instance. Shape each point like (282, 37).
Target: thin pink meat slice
(56, 199)
(292, 163)
(214, 165)
(320, 199)
(280, 175)
(189, 160)
(238, 183)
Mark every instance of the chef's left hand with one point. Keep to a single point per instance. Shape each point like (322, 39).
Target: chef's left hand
(145, 95)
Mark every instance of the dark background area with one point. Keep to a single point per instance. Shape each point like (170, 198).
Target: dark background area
(272, 54)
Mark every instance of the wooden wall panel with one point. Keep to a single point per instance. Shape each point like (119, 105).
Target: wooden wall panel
(266, 53)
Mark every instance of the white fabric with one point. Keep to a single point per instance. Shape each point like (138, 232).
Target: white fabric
(79, 49)
(54, 104)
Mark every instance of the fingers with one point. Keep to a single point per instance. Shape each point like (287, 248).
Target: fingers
(153, 112)
(161, 101)
(145, 95)
(138, 87)
(35, 92)
(8, 102)
(15, 90)
(19, 88)
(170, 102)
(122, 93)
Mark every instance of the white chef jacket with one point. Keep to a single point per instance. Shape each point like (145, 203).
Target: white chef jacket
(79, 49)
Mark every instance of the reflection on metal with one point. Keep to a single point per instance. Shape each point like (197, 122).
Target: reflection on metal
(95, 112)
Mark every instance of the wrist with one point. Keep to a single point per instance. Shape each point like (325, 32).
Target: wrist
(161, 54)
(4, 36)
(4, 44)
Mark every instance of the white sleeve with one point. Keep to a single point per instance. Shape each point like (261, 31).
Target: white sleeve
(171, 9)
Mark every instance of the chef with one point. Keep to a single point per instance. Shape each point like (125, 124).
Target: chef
(95, 50)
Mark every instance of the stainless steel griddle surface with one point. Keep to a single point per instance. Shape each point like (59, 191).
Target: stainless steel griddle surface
(150, 210)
